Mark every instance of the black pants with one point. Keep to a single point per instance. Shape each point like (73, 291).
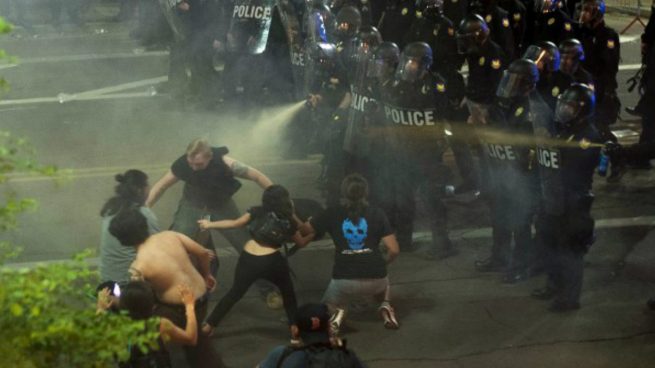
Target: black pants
(564, 257)
(272, 267)
(203, 353)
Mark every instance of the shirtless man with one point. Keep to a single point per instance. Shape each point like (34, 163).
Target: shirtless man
(166, 260)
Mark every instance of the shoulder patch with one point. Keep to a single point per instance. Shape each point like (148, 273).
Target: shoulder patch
(555, 91)
(481, 61)
(451, 31)
(517, 16)
(495, 63)
(441, 87)
(404, 11)
(488, 18)
(551, 21)
(610, 44)
(518, 112)
(419, 14)
(425, 89)
(584, 143)
(567, 26)
(505, 22)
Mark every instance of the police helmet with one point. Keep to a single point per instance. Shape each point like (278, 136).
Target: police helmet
(415, 60)
(545, 54)
(518, 80)
(572, 53)
(370, 38)
(592, 11)
(546, 6)
(324, 54)
(575, 105)
(349, 19)
(472, 32)
(384, 60)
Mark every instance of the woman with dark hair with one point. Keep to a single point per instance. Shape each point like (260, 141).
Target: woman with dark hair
(131, 192)
(271, 225)
(360, 267)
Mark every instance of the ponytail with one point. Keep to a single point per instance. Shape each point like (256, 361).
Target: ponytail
(354, 195)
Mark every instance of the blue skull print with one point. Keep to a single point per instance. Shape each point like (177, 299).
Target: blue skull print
(355, 234)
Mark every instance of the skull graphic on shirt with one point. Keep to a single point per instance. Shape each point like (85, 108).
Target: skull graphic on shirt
(355, 234)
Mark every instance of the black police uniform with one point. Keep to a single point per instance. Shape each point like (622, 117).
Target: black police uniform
(565, 228)
(455, 10)
(517, 19)
(485, 71)
(581, 75)
(554, 26)
(647, 84)
(396, 20)
(513, 180)
(551, 85)
(499, 24)
(414, 112)
(602, 56)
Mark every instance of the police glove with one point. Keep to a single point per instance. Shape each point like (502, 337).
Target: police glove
(613, 150)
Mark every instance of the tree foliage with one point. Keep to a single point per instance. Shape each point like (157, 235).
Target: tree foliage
(47, 312)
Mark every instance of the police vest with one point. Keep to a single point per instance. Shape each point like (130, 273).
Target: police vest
(251, 12)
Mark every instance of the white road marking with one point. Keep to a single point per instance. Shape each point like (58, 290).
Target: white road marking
(225, 251)
(628, 39)
(85, 57)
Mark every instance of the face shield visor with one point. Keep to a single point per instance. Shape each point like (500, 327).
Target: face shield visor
(566, 111)
(512, 85)
(379, 68)
(410, 69)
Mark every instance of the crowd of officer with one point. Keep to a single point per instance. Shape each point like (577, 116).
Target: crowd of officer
(525, 121)
(388, 95)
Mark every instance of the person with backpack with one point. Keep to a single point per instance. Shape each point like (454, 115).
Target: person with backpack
(316, 347)
(271, 225)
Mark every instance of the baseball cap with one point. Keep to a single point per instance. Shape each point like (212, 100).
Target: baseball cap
(313, 321)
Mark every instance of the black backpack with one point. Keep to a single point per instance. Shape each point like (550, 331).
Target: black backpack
(270, 229)
(323, 356)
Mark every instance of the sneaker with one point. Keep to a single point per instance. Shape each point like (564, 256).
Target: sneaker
(274, 299)
(336, 320)
(389, 316)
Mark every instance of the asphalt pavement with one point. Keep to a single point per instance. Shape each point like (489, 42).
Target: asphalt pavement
(86, 98)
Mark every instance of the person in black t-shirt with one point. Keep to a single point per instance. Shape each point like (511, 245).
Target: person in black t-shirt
(209, 177)
(360, 267)
(261, 258)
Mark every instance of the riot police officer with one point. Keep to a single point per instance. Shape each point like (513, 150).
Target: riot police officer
(356, 143)
(572, 55)
(455, 10)
(414, 106)
(565, 226)
(513, 179)
(434, 28)
(517, 20)
(551, 22)
(397, 17)
(327, 91)
(486, 62)
(349, 20)
(499, 25)
(603, 52)
(552, 81)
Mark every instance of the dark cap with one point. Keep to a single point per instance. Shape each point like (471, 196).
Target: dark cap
(313, 321)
